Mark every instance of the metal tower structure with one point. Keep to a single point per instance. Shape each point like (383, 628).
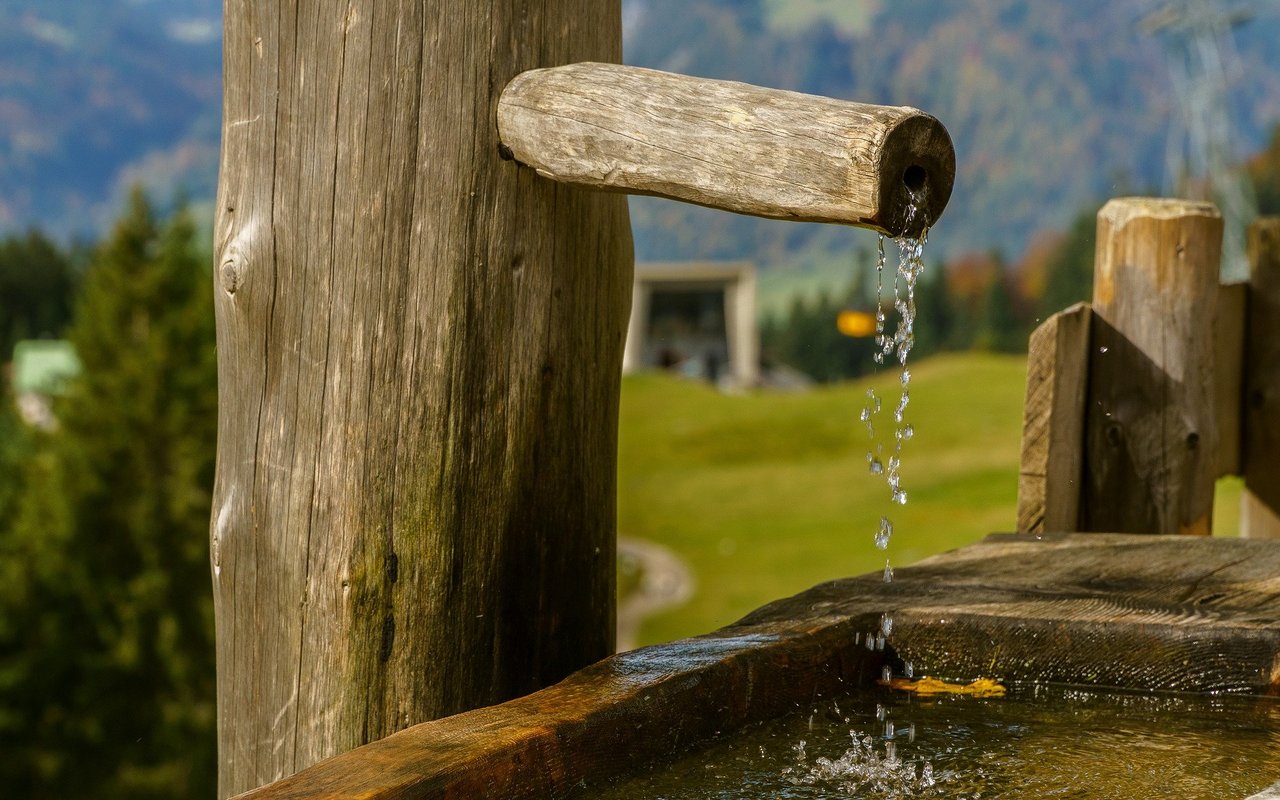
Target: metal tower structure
(1201, 161)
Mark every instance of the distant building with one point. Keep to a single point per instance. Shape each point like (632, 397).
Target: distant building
(698, 319)
(41, 371)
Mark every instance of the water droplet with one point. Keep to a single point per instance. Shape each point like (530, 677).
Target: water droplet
(876, 466)
(911, 737)
(891, 752)
(888, 573)
(906, 377)
(882, 535)
(886, 624)
(909, 669)
(865, 416)
(908, 432)
(1102, 349)
(880, 712)
(889, 729)
(879, 643)
(885, 675)
(900, 497)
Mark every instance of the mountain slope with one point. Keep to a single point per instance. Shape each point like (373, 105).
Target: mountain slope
(1052, 106)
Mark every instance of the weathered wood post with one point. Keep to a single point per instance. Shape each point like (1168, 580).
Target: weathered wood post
(1260, 509)
(419, 343)
(1150, 424)
(1120, 427)
(418, 350)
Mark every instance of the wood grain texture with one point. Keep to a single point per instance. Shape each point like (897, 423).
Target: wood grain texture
(1228, 374)
(1138, 612)
(730, 145)
(1052, 462)
(1262, 377)
(1150, 432)
(413, 334)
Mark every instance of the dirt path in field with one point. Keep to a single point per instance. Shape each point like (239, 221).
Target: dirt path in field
(665, 582)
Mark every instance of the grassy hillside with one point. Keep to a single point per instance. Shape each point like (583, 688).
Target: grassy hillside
(765, 495)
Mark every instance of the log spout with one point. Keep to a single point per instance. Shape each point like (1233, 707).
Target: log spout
(727, 145)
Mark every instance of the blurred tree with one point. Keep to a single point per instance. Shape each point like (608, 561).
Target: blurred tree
(935, 314)
(106, 644)
(999, 329)
(13, 448)
(1264, 170)
(37, 284)
(807, 338)
(1069, 271)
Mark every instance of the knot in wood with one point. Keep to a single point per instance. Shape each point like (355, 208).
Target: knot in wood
(229, 273)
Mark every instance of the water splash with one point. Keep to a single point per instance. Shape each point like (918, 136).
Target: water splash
(863, 769)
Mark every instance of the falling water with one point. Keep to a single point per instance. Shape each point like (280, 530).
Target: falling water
(881, 460)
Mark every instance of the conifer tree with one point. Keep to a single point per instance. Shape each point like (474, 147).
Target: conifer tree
(37, 282)
(998, 327)
(1069, 272)
(106, 654)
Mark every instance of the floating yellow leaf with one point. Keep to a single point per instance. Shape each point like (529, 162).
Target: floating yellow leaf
(982, 687)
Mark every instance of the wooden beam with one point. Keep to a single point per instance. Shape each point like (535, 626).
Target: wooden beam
(1151, 437)
(1049, 478)
(1262, 383)
(730, 145)
(1170, 613)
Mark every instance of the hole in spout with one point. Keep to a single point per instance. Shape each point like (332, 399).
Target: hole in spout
(913, 177)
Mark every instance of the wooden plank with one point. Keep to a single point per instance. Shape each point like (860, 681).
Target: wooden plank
(1109, 610)
(413, 335)
(1050, 473)
(1228, 364)
(1262, 382)
(730, 145)
(1150, 431)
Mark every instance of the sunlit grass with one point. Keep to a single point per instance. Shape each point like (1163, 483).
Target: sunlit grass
(767, 494)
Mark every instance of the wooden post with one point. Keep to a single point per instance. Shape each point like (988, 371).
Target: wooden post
(1150, 432)
(1261, 500)
(1052, 462)
(730, 145)
(419, 346)
(1228, 365)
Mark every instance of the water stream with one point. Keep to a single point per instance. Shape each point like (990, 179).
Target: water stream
(898, 345)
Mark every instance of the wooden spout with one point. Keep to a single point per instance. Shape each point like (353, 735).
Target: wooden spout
(734, 146)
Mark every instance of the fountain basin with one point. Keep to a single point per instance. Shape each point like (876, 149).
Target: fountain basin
(1152, 613)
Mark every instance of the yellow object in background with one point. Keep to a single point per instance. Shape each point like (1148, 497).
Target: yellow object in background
(858, 324)
(982, 687)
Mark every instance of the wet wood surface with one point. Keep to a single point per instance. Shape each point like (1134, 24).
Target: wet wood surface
(1166, 613)
(729, 145)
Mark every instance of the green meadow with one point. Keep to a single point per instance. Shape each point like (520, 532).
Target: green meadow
(766, 494)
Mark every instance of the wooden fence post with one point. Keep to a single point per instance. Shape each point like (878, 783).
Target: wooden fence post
(1052, 463)
(1261, 498)
(418, 347)
(1150, 431)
